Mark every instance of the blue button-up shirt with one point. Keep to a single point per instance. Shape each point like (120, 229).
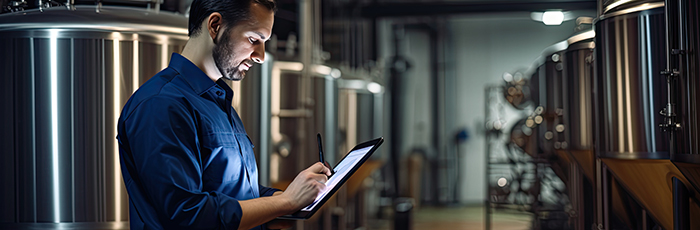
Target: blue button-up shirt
(185, 156)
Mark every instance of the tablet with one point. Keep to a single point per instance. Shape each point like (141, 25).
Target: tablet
(342, 171)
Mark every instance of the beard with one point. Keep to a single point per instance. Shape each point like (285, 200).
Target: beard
(222, 54)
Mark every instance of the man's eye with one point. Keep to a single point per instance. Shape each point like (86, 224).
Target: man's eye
(252, 40)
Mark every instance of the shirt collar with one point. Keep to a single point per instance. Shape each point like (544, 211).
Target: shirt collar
(195, 77)
(227, 89)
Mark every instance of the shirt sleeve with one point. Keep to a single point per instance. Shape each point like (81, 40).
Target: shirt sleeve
(162, 136)
(267, 191)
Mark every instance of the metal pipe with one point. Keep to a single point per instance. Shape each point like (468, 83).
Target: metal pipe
(304, 87)
(448, 100)
(602, 193)
(487, 201)
(446, 188)
(607, 183)
(682, 23)
(330, 118)
(398, 66)
(669, 30)
(264, 132)
(671, 70)
(681, 213)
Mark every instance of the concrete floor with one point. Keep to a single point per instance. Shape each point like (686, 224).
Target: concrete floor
(464, 218)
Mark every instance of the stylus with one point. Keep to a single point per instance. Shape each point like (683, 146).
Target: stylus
(320, 153)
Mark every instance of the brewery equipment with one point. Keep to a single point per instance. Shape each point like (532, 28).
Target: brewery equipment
(66, 73)
(630, 105)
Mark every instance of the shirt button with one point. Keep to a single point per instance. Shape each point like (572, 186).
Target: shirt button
(219, 93)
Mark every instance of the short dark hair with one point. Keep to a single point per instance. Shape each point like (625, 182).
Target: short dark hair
(232, 11)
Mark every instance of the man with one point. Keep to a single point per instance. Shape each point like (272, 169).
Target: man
(185, 157)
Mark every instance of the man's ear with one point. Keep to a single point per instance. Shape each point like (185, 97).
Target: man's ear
(214, 25)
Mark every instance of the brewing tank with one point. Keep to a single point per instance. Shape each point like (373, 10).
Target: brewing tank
(631, 102)
(359, 113)
(630, 91)
(300, 107)
(65, 75)
(686, 151)
(546, 91)
(578, 96)
(686, 88)
(577, 85)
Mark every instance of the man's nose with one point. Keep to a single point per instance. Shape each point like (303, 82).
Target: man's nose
(258, 55)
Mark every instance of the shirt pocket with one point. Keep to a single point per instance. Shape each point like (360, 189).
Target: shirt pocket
(223, 162)
(246, 147)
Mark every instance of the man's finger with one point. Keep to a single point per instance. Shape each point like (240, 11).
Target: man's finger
(320, 168)
(325, 169)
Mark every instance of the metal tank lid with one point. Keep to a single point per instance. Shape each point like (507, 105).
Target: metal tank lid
(95, 18)
(584, 31)
(586, 35)
(547, 52)
(610, 8)
(582, 37)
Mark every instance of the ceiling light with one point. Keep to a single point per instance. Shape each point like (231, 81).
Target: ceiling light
(552, 18)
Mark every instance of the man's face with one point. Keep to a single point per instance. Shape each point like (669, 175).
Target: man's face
(241, 45)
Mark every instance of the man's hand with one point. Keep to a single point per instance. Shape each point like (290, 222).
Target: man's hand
(300, 193)
(306, 186)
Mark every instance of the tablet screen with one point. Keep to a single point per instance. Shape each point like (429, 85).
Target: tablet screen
(340, 171)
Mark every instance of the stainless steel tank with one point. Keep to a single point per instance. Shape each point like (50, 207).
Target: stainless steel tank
(630, 91)
(578, 96)
(686, 89)
(303, 102)
(359, 118)
(686, 152)
(300, 107)
(360, 113)
(65, 75)
(631, 96)
(578, 118)
(546, 86)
